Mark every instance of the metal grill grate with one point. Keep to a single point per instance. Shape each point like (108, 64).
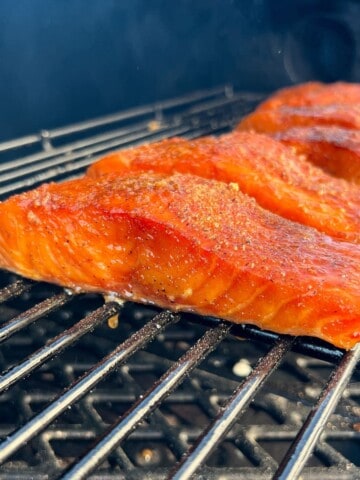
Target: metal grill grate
(225, 401)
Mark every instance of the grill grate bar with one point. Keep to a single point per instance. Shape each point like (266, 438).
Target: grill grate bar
(28, 171)
(304, 345)
(20, 142)
(139, 111)
(42, 156)
(228, 414)
(14, 290)
(216, 103)
(62, 341)
(78, 161)
(140, 130)
(87, 381)
(148, 402)
(304, 443)
(113, 118)
(33, 314)
(115, 141)
(62, 165)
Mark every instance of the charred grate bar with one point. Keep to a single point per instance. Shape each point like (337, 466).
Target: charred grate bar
(229, 414)
(87, 381)
(172, 396)
(311, 430)
(148, 402)
(213, 111)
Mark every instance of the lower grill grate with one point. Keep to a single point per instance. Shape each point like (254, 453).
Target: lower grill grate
(225, 401)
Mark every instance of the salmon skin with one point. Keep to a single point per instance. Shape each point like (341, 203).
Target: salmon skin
(314, 93)
(279, 180)
(185, 243)
(336, 150)
(285, 117)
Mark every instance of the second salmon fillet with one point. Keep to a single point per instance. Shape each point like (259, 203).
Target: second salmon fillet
(285, 117)
(279, 180)
(314, 94)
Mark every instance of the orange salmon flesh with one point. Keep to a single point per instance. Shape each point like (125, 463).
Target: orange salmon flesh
(336, 150)
(314, 94)
(185, 243)
(279, 180)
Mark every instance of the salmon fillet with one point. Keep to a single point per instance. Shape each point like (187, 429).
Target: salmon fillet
(279, 180)
(185, 243)
(314, 93)
(285, 117)
(336, 150)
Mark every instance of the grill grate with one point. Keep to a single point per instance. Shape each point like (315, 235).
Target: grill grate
(226, 401)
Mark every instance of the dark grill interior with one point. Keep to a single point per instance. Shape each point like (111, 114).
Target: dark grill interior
(77, 393)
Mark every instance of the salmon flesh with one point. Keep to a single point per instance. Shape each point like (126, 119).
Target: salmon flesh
(185, 243)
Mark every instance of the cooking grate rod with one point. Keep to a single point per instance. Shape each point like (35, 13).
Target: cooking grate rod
(59, 343)
(230, 412)
(71, 163)
(112, 118)
(148, 402)
(88, 381)
(141, 130)
(202, 119)
(113, 141)
(33, 314)
(14, 290)
(226, 91)
(37, 158)
(304, 443)
(304, 345)
(80, 160)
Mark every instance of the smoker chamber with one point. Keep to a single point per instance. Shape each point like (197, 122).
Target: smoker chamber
(100, 390)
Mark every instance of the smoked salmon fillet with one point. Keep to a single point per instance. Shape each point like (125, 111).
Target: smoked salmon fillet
(185, 243)
(314, 93)
(285, 117)
(279, 180)
(336, 150)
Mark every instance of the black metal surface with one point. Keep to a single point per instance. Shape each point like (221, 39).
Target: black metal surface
(84, 384)
(148, 402)
(309, 434)
(230, 412)
(161, 394)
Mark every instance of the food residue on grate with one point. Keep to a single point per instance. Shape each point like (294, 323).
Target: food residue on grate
(242, 368)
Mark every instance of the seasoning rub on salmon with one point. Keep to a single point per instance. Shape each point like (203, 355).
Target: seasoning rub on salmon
(336, 150)
(314, 93)
(185, 243)
(285, 117)
(281, 181)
